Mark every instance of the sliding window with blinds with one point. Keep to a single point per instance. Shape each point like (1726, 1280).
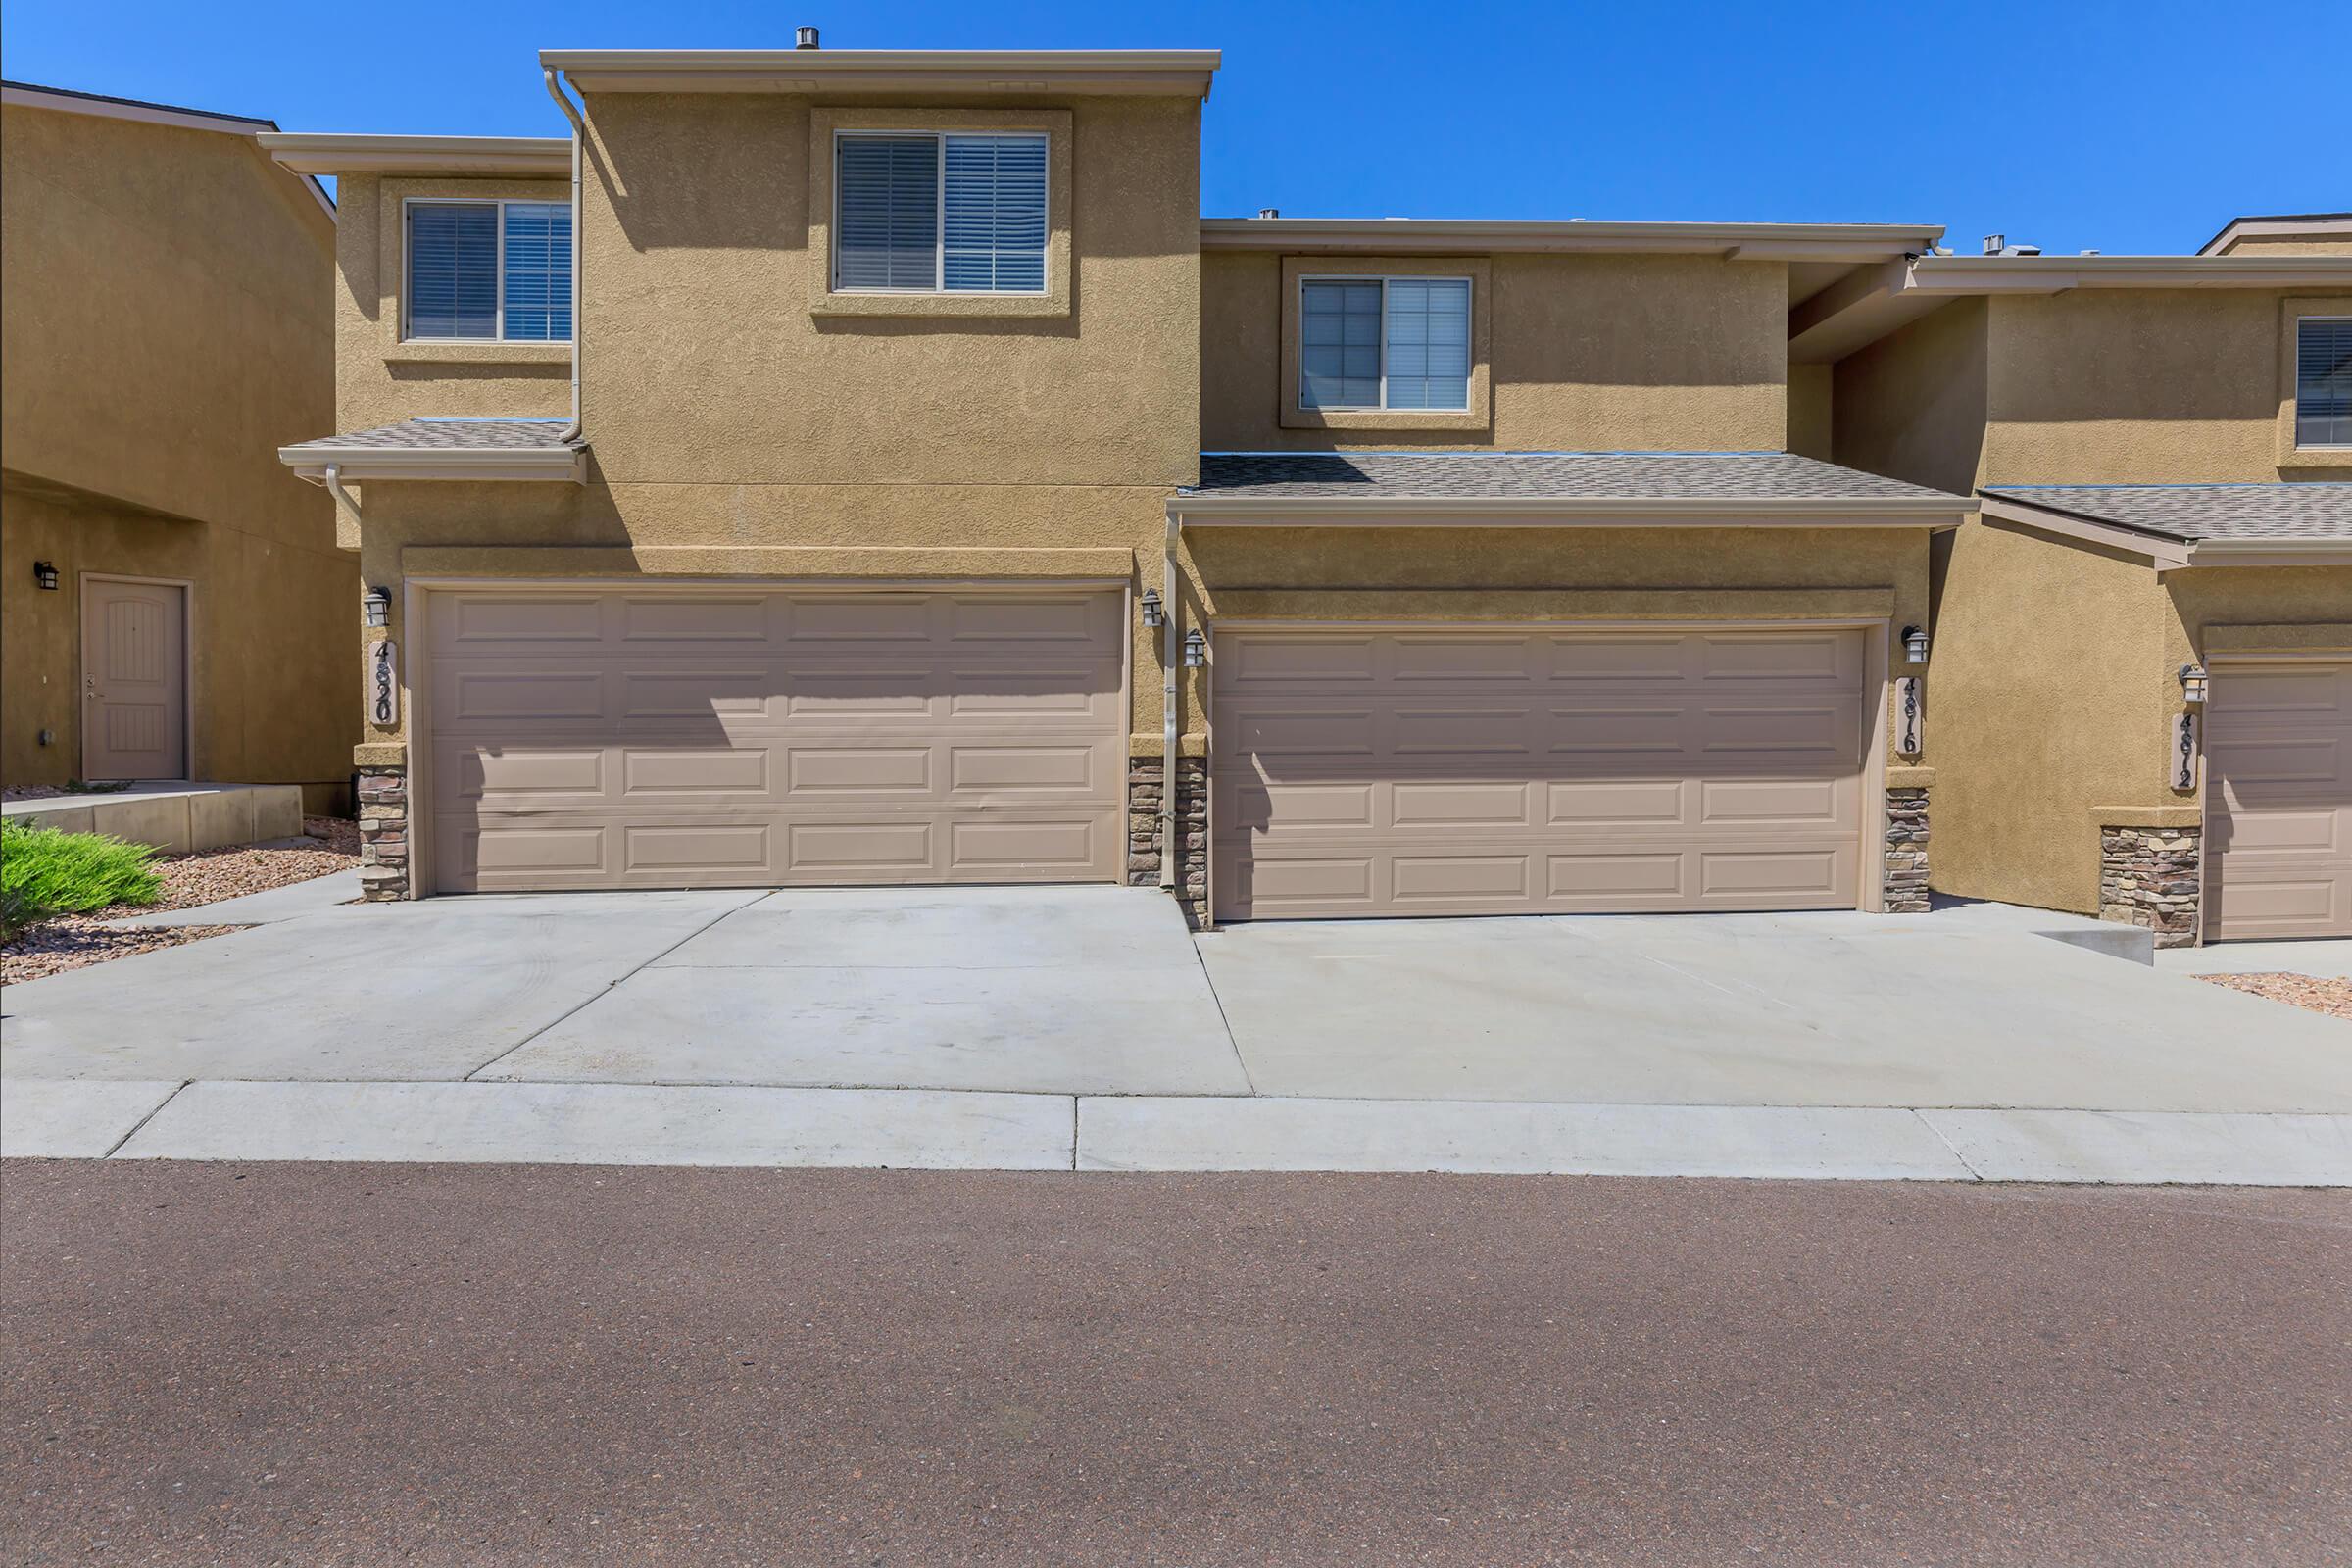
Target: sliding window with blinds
(489, 272)
(940, 213)
(1385, 343)
(2324, 382)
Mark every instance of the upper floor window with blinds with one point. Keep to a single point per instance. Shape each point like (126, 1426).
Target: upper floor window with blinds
(2324, 382)
(489, 272)
(1385, 343)
(927, 213)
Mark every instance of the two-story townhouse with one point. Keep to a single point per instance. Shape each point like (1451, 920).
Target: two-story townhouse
(923, 493)
(2143, 664)
(173, 605)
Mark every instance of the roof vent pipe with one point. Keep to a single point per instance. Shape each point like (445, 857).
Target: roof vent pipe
(1994, 243)
(803, 39)
(1269, 212)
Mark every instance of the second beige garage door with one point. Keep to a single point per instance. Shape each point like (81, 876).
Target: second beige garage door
(2279, 765)
(1470, 772)
(643, 738)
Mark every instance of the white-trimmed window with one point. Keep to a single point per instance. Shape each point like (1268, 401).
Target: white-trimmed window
(1384, 343)
(939, 213)
(2324, 382)
(488, 272)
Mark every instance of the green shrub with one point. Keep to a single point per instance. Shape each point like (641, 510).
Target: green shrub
(45, 872)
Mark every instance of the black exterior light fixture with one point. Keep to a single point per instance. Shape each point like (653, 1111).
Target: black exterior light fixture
(1915, 645)
(44, 573)
(2193, 683)
(375, 608)
(1155, 616)
(1196, 648)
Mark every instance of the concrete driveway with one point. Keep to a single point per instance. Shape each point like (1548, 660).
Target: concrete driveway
(1062, 1027)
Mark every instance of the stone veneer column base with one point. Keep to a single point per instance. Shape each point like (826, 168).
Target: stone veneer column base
(1144, 774)
(1905, 888)
(2153, 877)
(384, 834)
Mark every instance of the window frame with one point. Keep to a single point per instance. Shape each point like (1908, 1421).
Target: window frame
(1384, 280)
(2294, 373)
(407, 337)
(938, 198)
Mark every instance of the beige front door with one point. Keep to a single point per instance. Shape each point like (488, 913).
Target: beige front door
(1481, 770)
(653, 738)
(134, 690)
(2278, 782)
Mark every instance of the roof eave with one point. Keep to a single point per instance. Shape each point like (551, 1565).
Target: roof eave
(312, 153)
(2271, 553)
(1816, 242)
(358, 463)
(2055, 274)
(1177, 73)
(1392, 511)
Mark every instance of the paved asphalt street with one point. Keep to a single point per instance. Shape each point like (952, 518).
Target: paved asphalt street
(323, 1364)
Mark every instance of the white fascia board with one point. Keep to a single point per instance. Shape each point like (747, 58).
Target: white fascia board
(1183, 72)
(1818, 242)
(2055, 274)
(309, 153)
(435, 463)
(1597, 511)
(2162, 553)
(2271, 553)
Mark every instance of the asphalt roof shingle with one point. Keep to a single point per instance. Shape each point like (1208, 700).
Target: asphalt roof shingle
(1731, 476)
(2193, 512)
(453, 435)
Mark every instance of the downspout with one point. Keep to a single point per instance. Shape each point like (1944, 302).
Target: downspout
(579, 134)
(1167, 706)
(335, 488)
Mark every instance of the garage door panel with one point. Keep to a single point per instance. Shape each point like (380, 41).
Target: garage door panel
(2278, 783)
(1690, 770)
(735, 738)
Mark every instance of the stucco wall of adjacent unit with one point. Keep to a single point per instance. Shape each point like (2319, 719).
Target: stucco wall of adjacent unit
(711, 359)
(1911, 406)
(1590, 353)
(169, 326)
(2241, 607)
(379, 379)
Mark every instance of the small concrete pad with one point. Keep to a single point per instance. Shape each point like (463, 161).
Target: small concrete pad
(1086, 929)
(428, 990)
(2324, 958)
(2115, 1146)
(600, 1124)
(289, 903)
(1367, 1135)
(60, 1118)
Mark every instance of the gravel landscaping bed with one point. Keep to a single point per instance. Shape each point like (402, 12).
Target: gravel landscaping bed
(30, 792)
(2331, 996)
(69, 941)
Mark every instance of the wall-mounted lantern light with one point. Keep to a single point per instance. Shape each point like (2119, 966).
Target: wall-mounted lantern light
(1196, 648)
(1155, 616)
(1915, 645)
(375, 607)
(44, 573)
(2193, 683)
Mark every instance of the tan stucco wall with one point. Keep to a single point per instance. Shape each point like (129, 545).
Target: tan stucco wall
(1911, 406)
(378, 380)
(1812, 411)
(168, 327)
(1590, 353)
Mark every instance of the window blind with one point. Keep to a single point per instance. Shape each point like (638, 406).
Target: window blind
(2324, 382)
(887, 229)
(1427, 343)
(993, 215)
(537, 286)
(1339, 350)
(452, 270)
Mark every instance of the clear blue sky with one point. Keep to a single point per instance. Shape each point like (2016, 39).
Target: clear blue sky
(2120, 126)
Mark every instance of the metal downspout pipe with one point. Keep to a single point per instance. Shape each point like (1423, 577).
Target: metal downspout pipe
(1169, 667)
(580, 136)
(335, 488)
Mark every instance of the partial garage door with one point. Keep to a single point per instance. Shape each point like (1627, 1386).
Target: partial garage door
(642, 738)
(2278, 773)
(1479, 771)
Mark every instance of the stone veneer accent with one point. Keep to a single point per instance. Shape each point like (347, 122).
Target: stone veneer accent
(384, 834)
(1906, 875)
(1143, 775)
(2153, 877)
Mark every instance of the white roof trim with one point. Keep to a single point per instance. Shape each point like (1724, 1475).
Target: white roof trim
(101, 108)
(1822, 242)
(1182, 72)
(2168, 553)
(2054, 274)
(436, 462)
(312, 153)
(1618, 512)
(2332, 225)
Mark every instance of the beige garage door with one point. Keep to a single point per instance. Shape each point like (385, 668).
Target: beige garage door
(2279, 774)
(1466, 771)
(627, 738)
